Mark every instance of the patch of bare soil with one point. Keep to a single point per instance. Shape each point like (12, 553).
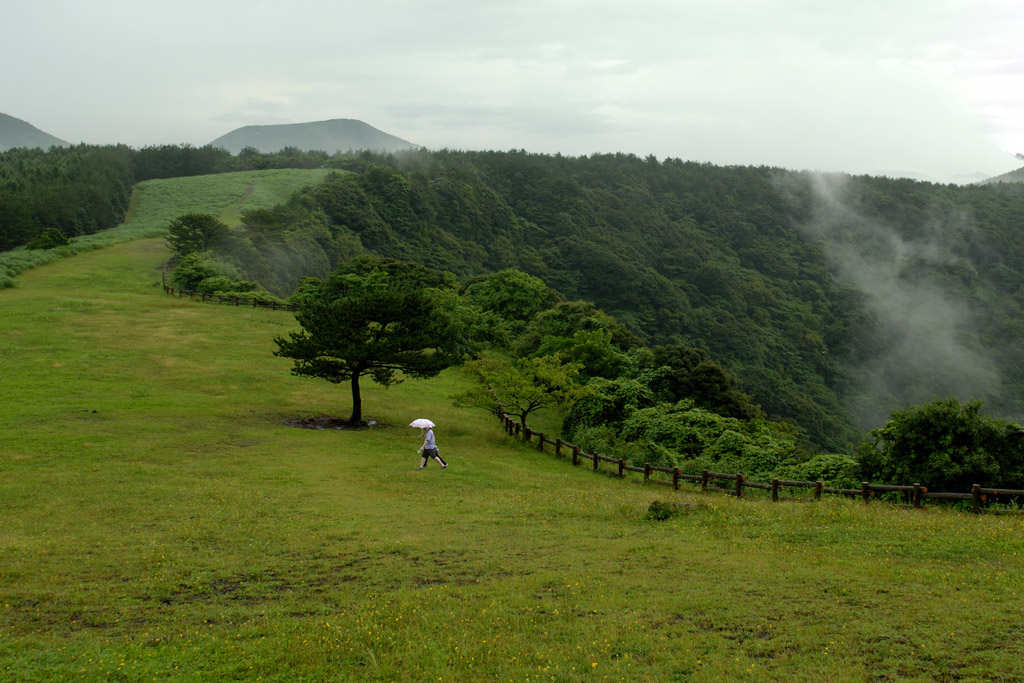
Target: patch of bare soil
(328, 422)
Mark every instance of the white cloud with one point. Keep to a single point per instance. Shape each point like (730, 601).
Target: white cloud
(902, 87)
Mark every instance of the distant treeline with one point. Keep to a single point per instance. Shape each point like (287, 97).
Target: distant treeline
(81, 189)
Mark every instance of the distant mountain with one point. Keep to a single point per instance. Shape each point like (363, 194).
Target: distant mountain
(336, 135)
(1011, 177)
(17, 133)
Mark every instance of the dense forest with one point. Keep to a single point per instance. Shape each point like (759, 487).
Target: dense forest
(828, 300)
(831, 299)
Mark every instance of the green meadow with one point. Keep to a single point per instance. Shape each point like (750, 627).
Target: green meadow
(161, 521)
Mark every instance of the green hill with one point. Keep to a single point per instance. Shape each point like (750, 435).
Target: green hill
(328, 136)
(17, 133)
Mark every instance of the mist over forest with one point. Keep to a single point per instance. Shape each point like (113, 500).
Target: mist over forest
(928, 338)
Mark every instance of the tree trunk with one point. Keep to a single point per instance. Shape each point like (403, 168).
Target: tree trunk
(357, 402)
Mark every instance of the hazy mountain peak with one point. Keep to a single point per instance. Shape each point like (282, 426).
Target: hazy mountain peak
(329, 136)
(1011, 177)
(17, 133)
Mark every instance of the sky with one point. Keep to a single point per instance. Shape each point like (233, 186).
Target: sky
(927, 89)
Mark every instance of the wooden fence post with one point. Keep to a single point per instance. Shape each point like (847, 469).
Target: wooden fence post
(518, 428)
(917, 495)
(976, 499)
(527, 434)
(775, 490)
(558, 447)
(622, 464)
(596, 461)
(704, 477)
(818, 486)
(540, 441)
(739, 485)
(647, 472)
(575, 455)
(675, 478)
(865, 493)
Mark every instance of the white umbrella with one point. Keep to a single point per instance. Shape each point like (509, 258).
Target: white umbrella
(422, 423)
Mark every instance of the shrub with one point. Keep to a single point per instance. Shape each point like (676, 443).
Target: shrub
(47, 239)
(196, 267)
(946, 446)
(221, 284)
(750, 447)
(607, 402)
(840, 471)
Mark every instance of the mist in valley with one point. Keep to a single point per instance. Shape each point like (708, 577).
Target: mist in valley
(917, 337)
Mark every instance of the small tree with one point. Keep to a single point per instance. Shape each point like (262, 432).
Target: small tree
(374, 324)
(945, 445)
(47, 239)
(511, 294)
(686, 372)
(521, 386)
(194, 232)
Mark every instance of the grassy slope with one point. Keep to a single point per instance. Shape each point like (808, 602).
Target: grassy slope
(159, 521)
(155, 203)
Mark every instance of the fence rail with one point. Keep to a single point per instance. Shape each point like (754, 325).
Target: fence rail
(710, 481)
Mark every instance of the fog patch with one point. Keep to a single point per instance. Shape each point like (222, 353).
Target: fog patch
(916, 339)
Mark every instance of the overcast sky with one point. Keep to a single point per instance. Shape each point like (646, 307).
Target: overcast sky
(931, 89)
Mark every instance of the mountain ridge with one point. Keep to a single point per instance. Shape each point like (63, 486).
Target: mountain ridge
(1010, 177)
(17, 133)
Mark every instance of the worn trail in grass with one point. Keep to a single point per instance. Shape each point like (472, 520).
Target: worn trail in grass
(161, 521)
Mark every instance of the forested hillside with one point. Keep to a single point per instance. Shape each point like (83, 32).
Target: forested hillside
(832, 299)
(74, 190)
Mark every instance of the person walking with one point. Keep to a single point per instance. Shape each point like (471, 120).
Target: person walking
(429, 449)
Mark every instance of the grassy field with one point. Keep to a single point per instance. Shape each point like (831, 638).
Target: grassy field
(159, 520)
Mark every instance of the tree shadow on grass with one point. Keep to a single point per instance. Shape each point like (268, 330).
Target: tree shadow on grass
(328, 422)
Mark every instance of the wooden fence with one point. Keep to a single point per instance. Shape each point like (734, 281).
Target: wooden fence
(711, 481)
(253, 301)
